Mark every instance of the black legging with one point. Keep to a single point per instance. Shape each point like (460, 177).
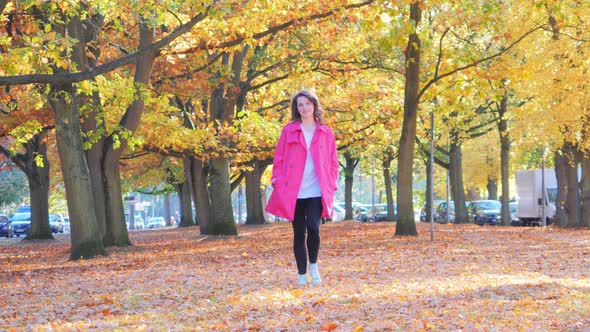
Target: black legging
(308, 213)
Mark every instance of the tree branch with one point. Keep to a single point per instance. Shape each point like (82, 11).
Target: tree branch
(61, 78)
(475, 63)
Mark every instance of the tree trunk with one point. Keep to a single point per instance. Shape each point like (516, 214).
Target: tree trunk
(222, 106)
(429, 186)
(85, 236)
(585, 186)
(38, 180)
(573, 195)
(93, 158)
(561, 219)
(406, 225)
(456, 179)
(255, 213)
(91, 105)
(472, 194)
(349, 168)
(116, 230)
(186, 211)
(492, 187)
(506, 217)
(198, 177)
(116, 233)
(39, 193)
(222, 218)
(167, 213)
(387, 159)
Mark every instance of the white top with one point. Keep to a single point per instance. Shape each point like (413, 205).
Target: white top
(310, 187)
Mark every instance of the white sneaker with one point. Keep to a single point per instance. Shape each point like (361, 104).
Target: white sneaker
(302, 280)
(315, 274)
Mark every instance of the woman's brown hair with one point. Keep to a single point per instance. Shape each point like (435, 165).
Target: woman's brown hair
(318, 111)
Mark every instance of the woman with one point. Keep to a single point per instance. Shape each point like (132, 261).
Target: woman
(304, 179)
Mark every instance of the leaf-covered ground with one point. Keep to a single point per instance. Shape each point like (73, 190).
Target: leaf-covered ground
(471, 278)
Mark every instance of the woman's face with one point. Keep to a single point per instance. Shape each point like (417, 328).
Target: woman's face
(305, 107)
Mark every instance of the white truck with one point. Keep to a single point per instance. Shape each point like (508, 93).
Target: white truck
(529, 187)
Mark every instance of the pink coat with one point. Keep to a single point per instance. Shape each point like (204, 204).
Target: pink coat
(288, 165)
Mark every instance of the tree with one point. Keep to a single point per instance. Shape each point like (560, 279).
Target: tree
(14, 187)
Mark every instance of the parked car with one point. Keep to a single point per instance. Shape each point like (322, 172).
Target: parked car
(484, 212)
(339, 213)
(440, 216)
(360, 212)
(23, 208)
(435, 205)
(5, 226)
(66, 224)
(21, 221)
(137, 224)
(156, 222)
(380, 212)
(56, 223)
(514, 220)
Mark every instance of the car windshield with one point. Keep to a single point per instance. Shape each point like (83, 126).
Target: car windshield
(363, 208)
(513, 207)
(52, 217)
(552, 195)
(21, 216)
(381, 208)
(338, 208)
(489, 205)
(3, 219)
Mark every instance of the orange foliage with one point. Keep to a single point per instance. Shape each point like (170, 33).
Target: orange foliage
(470, 278)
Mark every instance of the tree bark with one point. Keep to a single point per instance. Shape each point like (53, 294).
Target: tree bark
(198, 177)
(350, 165)
(473, 194)
(585, 186)
(387, 159)
(221, 220)
(184, 197)
(492, 187)
(573, 193)
(254, 210)
(116, 233)
(506, 217)
(456, 179)
(561, 218)
(167, 213)
(429, 186)
(38, 180)
(85, 236)
(406, 225)
(222, 107)
(91, 105)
